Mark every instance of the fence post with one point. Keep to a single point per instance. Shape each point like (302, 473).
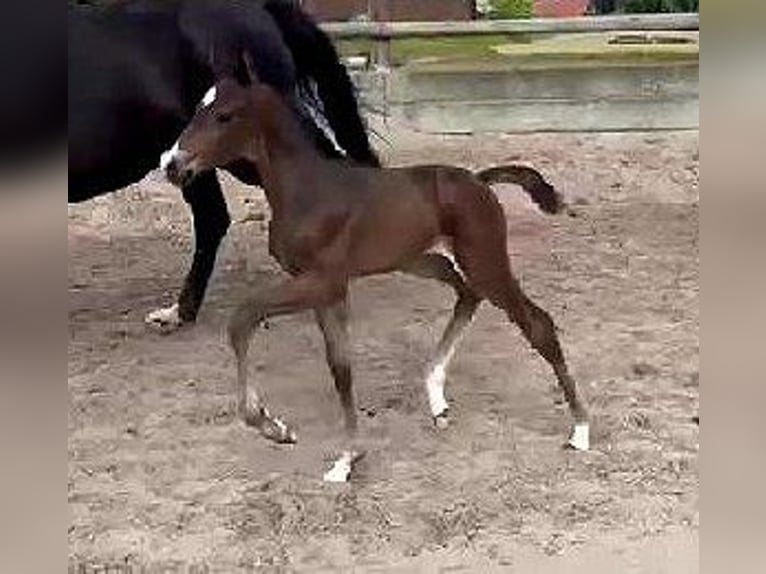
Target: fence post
(382, 53)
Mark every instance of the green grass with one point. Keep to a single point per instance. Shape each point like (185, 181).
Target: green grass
(523, 50)
(407, 50)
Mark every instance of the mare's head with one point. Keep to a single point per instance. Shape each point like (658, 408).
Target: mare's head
(224, 127)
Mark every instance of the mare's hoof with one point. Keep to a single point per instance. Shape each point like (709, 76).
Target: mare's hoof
(164, 320)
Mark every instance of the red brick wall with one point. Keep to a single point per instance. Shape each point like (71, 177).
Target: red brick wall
(391, 9)
(424, 10)
(335, 9)
(560, 8)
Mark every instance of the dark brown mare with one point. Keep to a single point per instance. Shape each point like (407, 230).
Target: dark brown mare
(354, 221)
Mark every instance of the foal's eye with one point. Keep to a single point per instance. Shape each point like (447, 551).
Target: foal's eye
(223, 118)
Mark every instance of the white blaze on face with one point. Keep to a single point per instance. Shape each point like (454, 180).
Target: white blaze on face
(168, 156)
(209, 97)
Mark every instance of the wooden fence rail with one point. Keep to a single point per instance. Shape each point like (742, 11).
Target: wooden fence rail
(384, 31)
(653, 95)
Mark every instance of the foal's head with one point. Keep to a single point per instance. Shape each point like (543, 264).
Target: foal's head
(223, 129)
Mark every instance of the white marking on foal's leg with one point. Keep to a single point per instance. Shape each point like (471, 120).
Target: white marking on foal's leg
(435, 381)
(437, 375)
(165, 319)
(580, 439)
(272, 427)
(285, 433)
(435, 385)
(341, 469)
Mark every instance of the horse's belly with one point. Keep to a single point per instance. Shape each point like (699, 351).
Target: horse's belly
(392, 236)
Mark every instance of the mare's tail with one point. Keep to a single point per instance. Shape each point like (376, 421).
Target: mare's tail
(317, 63)
(542, 193)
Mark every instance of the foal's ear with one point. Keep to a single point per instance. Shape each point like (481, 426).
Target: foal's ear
(250, 75)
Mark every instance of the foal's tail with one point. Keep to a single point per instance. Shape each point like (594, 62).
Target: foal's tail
(541, 192)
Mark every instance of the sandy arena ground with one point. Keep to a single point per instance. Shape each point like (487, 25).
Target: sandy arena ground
(162, 474)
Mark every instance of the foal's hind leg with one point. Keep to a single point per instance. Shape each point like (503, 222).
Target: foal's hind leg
(308, 291)
(540, 331)
(482, 254)
(439, 267)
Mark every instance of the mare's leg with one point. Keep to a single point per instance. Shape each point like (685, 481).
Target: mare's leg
(439, 267)
(481, 253)
(307, 291)
(211, 222)
(333, 322)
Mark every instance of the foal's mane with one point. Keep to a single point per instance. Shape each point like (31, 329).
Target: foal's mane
(277, 120)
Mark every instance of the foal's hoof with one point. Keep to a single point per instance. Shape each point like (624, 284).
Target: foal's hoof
(580, 439)
(341, 469)
(277, 430)
(164, 320)
(441, 421)
(271, 427)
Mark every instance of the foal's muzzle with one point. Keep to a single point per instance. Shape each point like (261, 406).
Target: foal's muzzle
(178, 167)
(178, 175)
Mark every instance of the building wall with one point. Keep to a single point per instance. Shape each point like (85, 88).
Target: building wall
(397, 10)
(560, 8)
(335, 9)
(424, 10)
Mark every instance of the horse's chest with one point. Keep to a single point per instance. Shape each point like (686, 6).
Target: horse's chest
(278, 244)
(291, 246)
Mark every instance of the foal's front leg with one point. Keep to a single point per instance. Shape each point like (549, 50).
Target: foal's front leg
(333, 322)
(300, 293)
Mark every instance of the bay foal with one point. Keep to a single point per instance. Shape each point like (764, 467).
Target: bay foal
(333, 221)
